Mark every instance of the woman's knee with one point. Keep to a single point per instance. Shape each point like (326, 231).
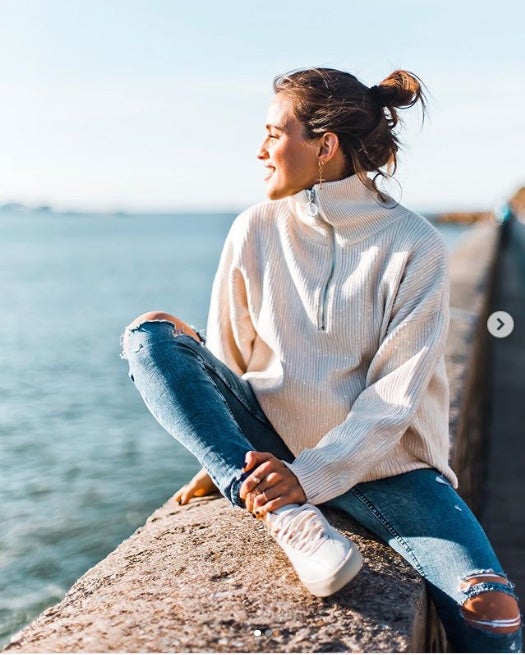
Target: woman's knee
(180, 327)
(490, 604)
(152, 317)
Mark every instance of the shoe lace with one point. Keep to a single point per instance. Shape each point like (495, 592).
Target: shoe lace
(302, 529)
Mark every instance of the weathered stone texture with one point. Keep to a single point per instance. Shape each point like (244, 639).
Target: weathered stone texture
(472, 269)
(205, 577)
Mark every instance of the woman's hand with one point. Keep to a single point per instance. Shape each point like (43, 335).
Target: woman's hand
(200, 485)
(270, 485)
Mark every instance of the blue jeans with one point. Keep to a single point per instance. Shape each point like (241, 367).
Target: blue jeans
(215, 415)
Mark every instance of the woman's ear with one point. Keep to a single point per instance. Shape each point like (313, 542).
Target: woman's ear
(328, 145)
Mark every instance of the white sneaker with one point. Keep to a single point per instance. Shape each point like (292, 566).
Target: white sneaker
(324, 560)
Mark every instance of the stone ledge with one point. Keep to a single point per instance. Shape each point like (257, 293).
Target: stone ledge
(472, 271)
(204, 578)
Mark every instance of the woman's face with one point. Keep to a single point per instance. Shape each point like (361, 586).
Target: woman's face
(290, 159)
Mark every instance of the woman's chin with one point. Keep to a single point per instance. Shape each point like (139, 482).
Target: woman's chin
(275, 193)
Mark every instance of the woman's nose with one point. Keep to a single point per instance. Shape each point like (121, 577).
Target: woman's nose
(262, 152)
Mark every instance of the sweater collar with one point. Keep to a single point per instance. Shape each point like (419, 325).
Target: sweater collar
(348, 205)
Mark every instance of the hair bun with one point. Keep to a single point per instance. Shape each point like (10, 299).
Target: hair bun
(400, 89)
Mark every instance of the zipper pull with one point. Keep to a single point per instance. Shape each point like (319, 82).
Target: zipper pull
(311, 208)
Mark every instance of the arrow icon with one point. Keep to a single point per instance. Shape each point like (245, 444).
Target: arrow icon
(500, 324)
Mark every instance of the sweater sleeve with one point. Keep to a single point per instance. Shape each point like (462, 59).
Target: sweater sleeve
(397, 379)
(230, 332)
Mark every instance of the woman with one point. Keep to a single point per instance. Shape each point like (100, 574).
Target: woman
(323, 377)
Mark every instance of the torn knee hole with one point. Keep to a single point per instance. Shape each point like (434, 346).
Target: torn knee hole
(479, 578)
(179, 327)
(490, 604)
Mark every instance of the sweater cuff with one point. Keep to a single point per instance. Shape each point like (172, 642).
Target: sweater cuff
(318, 487)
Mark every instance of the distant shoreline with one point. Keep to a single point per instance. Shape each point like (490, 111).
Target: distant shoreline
(465, 218)
(517, 203)
(13, 208)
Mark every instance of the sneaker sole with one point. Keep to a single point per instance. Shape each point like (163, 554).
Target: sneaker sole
(344, 574)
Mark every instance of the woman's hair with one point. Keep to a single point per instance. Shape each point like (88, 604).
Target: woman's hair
(364, 119)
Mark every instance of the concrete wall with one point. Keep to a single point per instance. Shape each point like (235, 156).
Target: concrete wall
(472, 271)
(208, 578)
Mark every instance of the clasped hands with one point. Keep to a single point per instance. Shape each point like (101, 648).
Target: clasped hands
(270, 484)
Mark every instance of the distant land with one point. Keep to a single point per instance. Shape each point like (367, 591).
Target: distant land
(20, 208)
(17, 208)
(24, 210)
(517, 204)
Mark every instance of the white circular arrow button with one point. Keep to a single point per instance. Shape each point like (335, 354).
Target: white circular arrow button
(500, 324)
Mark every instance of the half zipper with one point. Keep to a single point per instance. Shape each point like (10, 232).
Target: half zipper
(312, 209)
(323, 300)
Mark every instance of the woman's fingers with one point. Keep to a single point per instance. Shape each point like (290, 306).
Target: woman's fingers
(285, 493)
(270, 484)
(260, 466)
(253, 462)
(273, 505)
(253, 458)
(250, 498)
(260, 502)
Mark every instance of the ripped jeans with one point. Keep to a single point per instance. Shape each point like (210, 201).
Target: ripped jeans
(215, 415)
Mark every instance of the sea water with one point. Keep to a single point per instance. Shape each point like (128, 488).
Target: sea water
(82, 461)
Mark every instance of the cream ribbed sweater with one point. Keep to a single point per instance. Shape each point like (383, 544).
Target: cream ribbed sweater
(339, 322)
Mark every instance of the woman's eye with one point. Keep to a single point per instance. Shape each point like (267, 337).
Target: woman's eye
(271, 136)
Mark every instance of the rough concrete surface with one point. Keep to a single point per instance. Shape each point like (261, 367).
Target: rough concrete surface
(173, 586)
(472, 269)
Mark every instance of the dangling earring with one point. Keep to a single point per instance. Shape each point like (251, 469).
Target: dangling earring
(321, 167)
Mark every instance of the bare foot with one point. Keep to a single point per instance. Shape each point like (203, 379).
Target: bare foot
(200, 485)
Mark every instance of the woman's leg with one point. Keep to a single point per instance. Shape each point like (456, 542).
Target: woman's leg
(421, 516)
(197, 399)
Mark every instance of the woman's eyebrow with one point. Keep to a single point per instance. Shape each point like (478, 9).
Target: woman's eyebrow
(270, 126)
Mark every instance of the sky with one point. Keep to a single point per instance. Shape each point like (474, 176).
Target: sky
(160, 105)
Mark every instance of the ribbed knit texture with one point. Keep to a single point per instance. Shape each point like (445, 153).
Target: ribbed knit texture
(339, 323)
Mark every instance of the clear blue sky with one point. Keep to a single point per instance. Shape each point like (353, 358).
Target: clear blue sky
(160, 104)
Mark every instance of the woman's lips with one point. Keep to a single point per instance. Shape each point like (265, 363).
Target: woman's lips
(270, 170)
